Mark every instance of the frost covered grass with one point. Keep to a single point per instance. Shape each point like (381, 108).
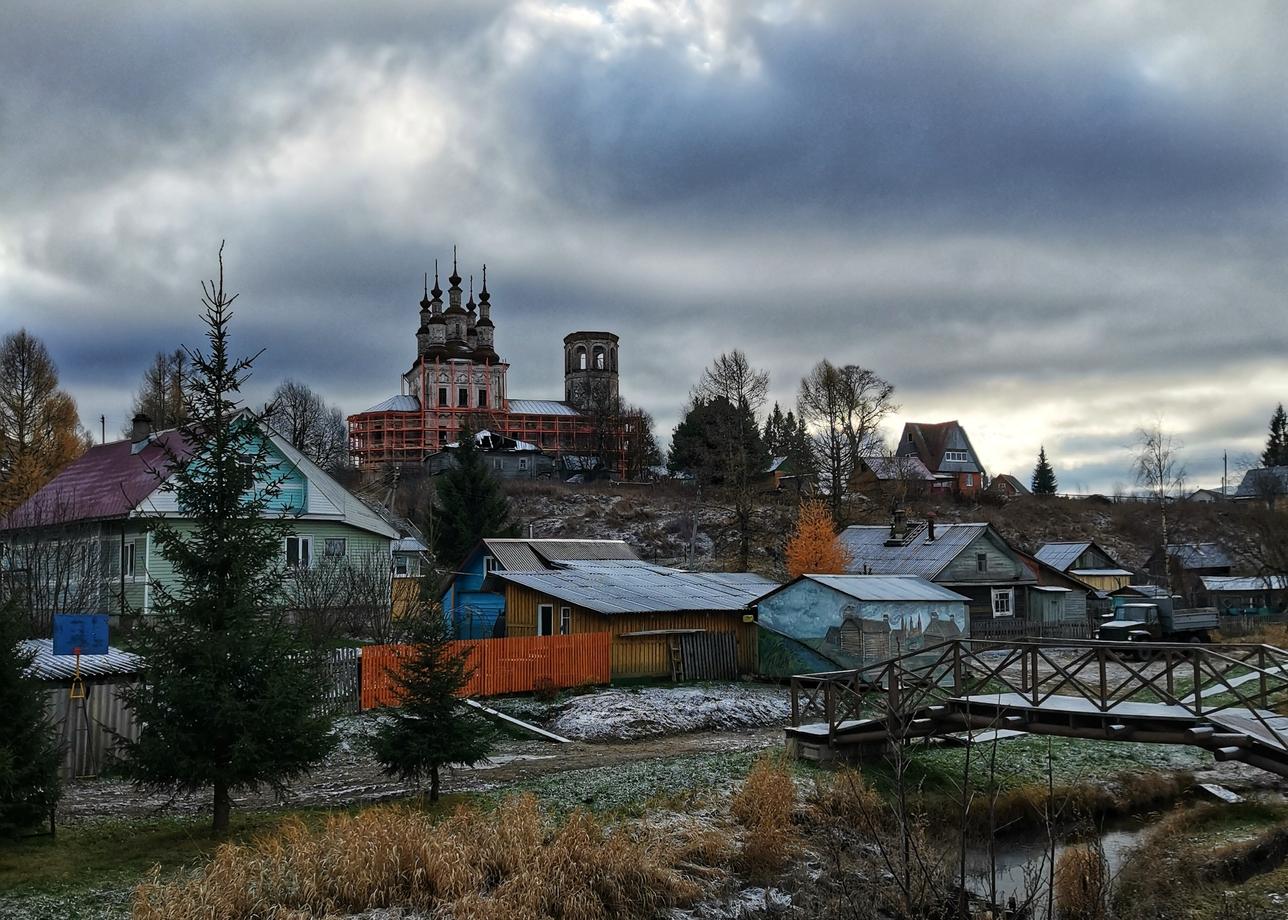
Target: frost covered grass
(627, 788)
(512, 862)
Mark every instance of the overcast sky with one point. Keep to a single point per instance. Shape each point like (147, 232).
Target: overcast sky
(1052, 221)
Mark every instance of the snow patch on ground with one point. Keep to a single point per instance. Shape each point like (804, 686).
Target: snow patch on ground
(749, 902)
(628, 714)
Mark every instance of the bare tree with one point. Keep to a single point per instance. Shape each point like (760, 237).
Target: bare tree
(843, 407)
(344, 596)
(315, 429)
(163, 393)
(740, 458)
(51, 563)
(1158, 469)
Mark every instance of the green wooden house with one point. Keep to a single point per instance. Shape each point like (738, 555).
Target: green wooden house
(83, 543)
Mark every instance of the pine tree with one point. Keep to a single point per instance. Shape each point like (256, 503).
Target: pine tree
(1276, 452)
(470, 503)
(29, 786)
(814, 547)
(776, 432)
(432, 729)
(1043, 482)
(229, 700)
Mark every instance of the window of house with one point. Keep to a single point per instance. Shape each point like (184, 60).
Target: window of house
(909, 437)
(496, 463)
(545, 619)
(336, 548)
(565, 620)
(462, 397)
(127, 559)
(442, 396)
(402, 565)
(981, 562)
(489, 564)
(299, 552)
(970, 479)
(523, 464)
(1003, 599)
(956, 456)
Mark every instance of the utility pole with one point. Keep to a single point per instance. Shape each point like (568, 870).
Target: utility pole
(102, 435)
(1225, 472)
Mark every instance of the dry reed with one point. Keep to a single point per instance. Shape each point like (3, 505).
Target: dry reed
(510, 864)
(764, 806)
(1082, 884)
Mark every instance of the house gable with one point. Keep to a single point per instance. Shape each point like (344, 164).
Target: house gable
(999, 564)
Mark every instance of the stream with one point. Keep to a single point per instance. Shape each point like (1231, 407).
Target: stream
(1022, 864)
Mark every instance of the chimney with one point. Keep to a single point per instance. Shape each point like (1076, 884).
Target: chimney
(898, 527)
(140, 433)
(930, 528)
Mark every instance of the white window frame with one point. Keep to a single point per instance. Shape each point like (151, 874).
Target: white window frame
(128, 560)
(541, 607)
(523, 464)
(997, 595)
(302, 540)
(956, 456)
(970, 480)
(565, 621)
(402, 566)
(489, 565)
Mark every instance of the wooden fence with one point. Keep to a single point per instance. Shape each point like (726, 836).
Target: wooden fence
(340, 690)
(515, 665)
(1014, 628)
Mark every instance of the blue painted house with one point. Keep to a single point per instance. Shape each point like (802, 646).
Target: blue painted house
(477, 611)
(828, 622)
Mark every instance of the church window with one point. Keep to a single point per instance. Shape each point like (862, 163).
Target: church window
(581, 357)
(442, 396)
(599, 357)
(482, 399)
(462, 397)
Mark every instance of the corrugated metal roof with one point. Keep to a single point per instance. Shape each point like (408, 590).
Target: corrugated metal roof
(1061, 555)
(1199, 555)
(907, 467)
(914, 556)
(652, 589)
(540, 407)
(1244, 583)
(515, 555)
(1095, 572)
(107, 481)
(1264, 482)
(887, 587)
(396, 404)
(48, 666)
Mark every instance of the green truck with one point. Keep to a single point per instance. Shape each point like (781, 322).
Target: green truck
(1159, 620)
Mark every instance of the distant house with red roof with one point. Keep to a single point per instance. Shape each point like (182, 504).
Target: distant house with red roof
(82, 542)
(947, 453)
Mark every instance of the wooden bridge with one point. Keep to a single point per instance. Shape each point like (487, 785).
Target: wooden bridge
(1217, 697)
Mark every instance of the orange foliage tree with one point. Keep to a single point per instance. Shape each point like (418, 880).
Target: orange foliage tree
(814, 547)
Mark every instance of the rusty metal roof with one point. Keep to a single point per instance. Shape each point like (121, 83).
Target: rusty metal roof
(107, 481)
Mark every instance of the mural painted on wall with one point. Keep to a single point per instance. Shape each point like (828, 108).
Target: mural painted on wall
(860, 641)
(853, 633)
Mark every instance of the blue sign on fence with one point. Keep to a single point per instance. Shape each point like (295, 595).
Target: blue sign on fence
(84, 631)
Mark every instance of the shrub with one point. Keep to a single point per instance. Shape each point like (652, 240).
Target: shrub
(764, 806)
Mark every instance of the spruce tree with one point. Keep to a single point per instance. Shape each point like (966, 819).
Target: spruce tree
(433, 728)
(29, 786)
(229, 696)
(1043, 482)
(1276, 452)
(471, 503)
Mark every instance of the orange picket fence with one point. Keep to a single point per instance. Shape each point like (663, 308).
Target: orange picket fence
(518, 665)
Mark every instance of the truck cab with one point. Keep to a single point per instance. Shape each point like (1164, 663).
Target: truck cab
(1137, 622)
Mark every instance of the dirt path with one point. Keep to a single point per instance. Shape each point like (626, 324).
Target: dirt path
(351, 776)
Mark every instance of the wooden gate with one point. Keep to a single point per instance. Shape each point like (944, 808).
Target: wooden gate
(709, 656)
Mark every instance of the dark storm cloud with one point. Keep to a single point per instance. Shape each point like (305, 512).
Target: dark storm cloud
(1052, 221)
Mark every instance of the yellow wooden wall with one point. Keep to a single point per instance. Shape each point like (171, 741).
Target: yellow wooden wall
(643, 656)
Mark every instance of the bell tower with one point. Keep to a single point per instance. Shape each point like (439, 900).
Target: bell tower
(590, 368)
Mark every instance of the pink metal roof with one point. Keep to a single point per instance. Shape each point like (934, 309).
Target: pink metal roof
(106, 481)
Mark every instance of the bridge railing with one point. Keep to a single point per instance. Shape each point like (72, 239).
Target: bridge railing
(1197, 680)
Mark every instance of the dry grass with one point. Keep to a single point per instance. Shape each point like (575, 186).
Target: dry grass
(509, 864)
(764, 806)
(1082, 884)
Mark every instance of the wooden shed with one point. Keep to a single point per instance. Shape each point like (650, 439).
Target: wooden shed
(87, 728)
(664, 622)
